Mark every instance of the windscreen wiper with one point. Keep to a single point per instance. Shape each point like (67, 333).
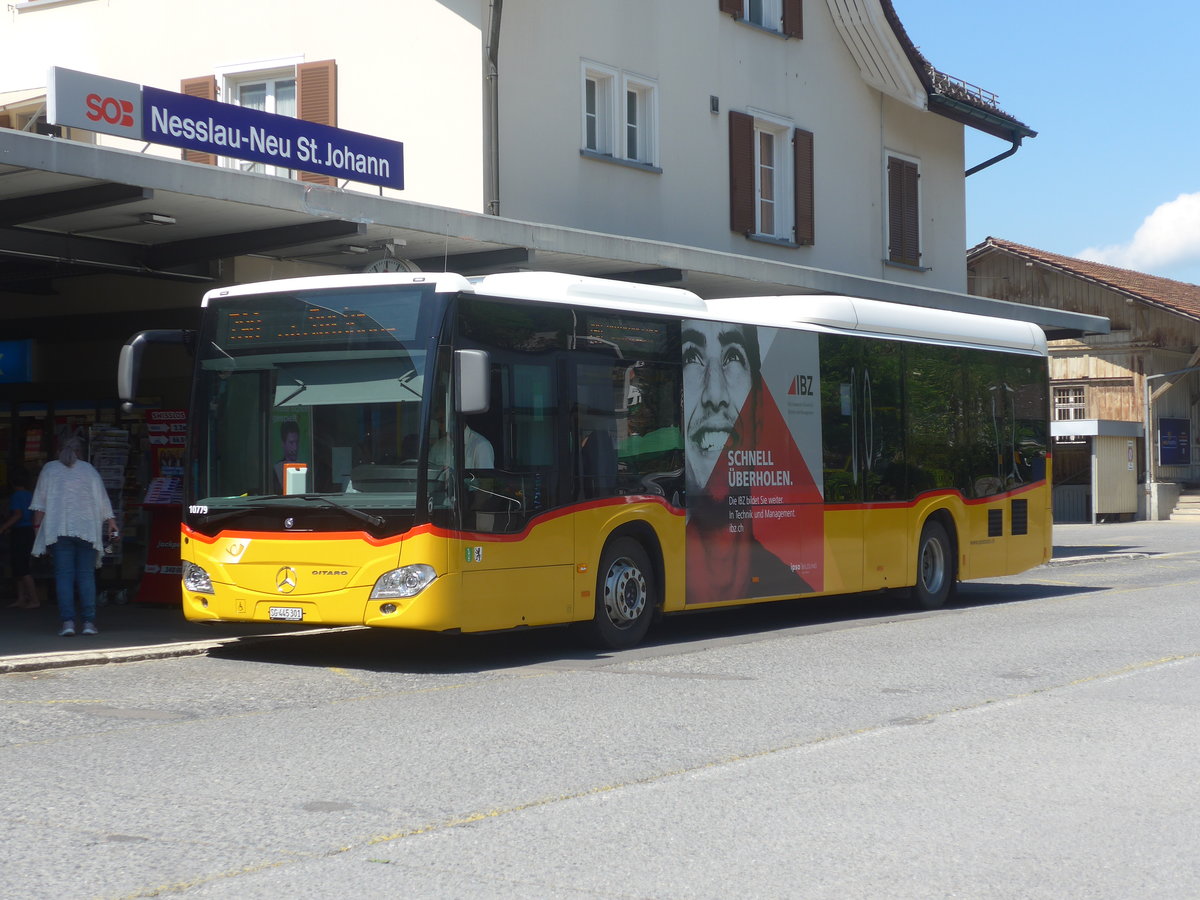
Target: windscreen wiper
(377, 521)
(300, 389)
(405, 379)
(211, 518)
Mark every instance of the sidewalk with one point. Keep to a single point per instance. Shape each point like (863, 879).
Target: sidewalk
(29, 637)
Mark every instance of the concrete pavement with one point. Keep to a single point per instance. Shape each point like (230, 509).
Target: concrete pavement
(29, 638)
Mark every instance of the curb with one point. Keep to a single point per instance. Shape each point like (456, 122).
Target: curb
(34, 662)
(1096, 557)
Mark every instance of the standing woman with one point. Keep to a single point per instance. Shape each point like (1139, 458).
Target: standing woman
(72, 514)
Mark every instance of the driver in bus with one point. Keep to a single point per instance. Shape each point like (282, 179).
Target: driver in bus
(477, 449)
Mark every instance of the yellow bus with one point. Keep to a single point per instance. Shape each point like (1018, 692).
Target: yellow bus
(434, 452)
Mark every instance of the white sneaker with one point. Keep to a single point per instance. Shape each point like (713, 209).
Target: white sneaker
(89, 628)
(68, 628)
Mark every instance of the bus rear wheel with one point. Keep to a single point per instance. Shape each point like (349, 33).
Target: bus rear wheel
(935, 567)
(625, 596)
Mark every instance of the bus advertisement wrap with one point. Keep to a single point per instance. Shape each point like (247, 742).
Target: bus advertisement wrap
(753, 441)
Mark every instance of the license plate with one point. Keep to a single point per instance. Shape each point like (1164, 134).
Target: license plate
(286, 613)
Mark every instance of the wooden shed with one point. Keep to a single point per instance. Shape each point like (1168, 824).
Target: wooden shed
(1100, 383)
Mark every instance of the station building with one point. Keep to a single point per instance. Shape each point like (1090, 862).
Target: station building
(733, 148)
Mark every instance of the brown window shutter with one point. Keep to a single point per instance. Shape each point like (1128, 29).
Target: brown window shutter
(793, 18)
(741, 172)
(802, 161)
(904, 234)
(316, 101)
(206, 89)
(735, 8)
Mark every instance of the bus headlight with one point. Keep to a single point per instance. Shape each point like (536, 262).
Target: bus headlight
(407, 581)
(195, 579)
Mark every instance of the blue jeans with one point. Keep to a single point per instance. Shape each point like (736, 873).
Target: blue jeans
(75, 570)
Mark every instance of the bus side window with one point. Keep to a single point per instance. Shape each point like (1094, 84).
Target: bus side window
(598, 463)
(650, 442)
(596, 421)
(935, 426)
(515, 480)
(884, 472)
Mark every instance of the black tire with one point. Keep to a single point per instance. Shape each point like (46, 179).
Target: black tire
(935, 567)
(625, 596)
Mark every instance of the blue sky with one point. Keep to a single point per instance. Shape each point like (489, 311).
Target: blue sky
(1111, 89)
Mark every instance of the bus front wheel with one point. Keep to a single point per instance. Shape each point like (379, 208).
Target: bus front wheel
(625, 598)
(935, 567)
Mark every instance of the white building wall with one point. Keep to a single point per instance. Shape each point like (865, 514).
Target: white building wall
(694, 52)
(410, 71)
(938, 143)
(413, 71)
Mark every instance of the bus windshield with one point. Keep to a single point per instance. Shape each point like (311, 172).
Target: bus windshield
(312, 400)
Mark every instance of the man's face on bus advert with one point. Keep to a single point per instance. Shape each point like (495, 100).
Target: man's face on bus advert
(716, 381)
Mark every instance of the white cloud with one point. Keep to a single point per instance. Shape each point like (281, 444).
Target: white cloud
(1169, 237)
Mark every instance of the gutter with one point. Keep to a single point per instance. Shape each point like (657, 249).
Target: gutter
(491, 90)
(995, 159)
(1003, 127)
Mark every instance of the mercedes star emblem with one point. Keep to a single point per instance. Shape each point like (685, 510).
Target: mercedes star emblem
(285, 580)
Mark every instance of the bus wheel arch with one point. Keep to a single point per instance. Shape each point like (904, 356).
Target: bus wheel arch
(937, 561)
(628, 588)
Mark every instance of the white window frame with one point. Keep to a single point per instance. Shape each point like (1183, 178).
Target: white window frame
(232, 78)
(1069, 401)
(769, 14)
(645, 92)
(600, 112)
(783, 202)
(605, 123)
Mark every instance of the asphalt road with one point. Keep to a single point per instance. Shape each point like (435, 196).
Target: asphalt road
(1036, 739)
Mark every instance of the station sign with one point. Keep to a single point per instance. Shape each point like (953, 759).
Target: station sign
(125, 109)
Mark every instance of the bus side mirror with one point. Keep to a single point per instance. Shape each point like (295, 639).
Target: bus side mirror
(131, 359)
(473, 381)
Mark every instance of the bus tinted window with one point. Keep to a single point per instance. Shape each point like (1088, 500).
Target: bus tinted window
(524, 423)
(900, 419)
(863, 426)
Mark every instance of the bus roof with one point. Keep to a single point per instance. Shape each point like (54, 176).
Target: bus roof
(845, 314)
(444, 282)
(895, 320)
(602, 292)
(822, 311)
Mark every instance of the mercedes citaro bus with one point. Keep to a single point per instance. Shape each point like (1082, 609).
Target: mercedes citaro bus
(434, 452)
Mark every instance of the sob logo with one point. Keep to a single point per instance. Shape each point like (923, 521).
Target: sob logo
(110, 109)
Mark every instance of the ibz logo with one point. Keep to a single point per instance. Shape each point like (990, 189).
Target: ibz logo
(802, 386)
(110, 109)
